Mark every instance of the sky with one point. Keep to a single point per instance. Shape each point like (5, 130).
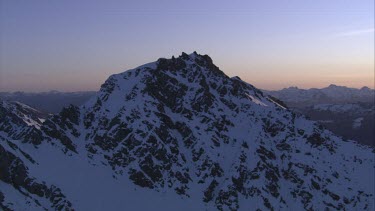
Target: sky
(75, 45)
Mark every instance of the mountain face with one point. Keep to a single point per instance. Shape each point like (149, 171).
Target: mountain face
(180, 134)
(21, 122)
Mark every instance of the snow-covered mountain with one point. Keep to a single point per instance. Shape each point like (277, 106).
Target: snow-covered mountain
(180, 134)
(20, 121)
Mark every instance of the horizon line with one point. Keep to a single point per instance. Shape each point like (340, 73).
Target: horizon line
(292, 86)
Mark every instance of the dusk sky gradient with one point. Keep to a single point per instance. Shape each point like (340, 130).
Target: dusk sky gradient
(75, 45)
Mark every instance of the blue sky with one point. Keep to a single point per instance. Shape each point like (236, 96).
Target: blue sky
(75, 45)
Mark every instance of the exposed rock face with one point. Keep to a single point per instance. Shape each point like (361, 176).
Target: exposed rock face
(181, 125)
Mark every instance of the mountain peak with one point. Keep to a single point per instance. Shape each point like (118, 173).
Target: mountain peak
(333, 86)
(291, 88)
(200, 63)
(183, 59)
(171, 79)
(365, 88)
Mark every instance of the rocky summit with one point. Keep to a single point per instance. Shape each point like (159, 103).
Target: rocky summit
(178, 134)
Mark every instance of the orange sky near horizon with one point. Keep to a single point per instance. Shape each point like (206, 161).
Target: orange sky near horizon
(76, 45)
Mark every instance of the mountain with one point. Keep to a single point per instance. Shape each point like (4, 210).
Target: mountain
(50, 102)
(348, 112)
(20, 121)
(296, 97)
(353, 121)
(180, 134)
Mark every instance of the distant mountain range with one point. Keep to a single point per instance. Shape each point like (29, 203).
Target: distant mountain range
(296, 97)
(178, 134)
(348, 112)
(50, 102)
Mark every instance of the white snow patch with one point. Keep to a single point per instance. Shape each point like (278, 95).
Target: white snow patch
(255, 100)
(357, 122)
